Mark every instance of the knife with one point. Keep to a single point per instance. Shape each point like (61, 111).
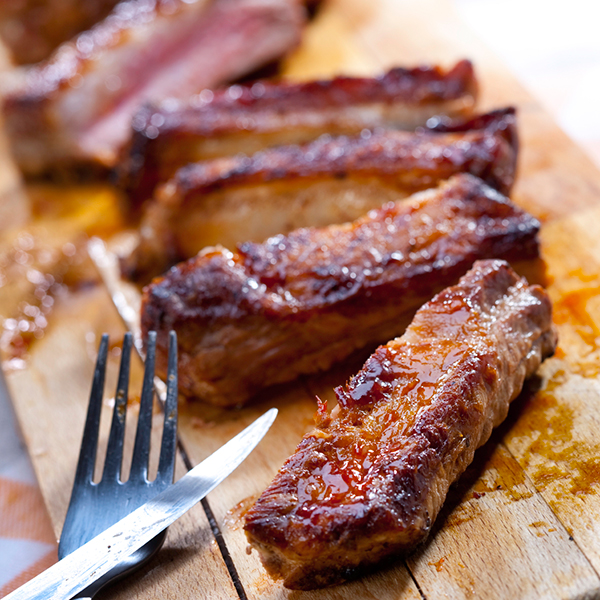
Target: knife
(85, 565)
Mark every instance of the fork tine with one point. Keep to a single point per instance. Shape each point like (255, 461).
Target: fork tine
(89, 445)
(114, 452)
(168, 446)
(141, 449)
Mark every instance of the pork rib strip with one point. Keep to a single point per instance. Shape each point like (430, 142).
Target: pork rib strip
(76, 107)
(295, 304)
(331, 180)
(369, 481)
(249, 118)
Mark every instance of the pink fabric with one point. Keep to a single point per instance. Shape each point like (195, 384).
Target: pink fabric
(27, 542)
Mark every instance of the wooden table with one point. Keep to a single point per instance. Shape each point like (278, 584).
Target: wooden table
(524, 520)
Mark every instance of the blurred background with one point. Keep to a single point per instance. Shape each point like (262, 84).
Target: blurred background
(554, 49)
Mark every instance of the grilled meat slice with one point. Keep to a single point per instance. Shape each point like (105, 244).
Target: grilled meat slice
(77, 106)
(32, 29)
(297, 303)
(369, 481)
(246, 119)
(330, 180)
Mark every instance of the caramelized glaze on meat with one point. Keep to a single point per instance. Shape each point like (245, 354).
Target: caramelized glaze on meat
(246, 119)
(331, 180)
(295, 304)
(369, 481)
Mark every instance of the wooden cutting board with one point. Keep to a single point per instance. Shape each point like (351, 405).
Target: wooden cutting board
(523, 521)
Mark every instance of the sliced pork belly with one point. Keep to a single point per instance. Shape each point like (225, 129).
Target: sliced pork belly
(77, 106)
(296, 304)
(331, 180)
(369, 481)
(246, 119)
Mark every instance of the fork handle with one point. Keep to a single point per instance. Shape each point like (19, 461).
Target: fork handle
(132, 563)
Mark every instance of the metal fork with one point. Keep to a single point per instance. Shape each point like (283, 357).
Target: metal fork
(96, 506)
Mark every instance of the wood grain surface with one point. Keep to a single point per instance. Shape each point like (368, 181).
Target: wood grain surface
(523, 521)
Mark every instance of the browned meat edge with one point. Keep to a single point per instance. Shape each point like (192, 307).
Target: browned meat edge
(386, 152)
(297, 303)
(251, 117)
(369, 481)
(330, 180)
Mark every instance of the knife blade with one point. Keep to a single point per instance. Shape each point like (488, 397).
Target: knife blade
(85, 565)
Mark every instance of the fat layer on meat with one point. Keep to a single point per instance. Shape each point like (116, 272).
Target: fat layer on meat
(331, 180)
(369, 481)
(76, 107)
(296, 304)
(247, 119)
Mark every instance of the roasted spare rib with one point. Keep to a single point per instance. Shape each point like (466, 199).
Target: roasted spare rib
(295, 304)
(331, 180)
(369, 481)
(246, 119)
(76, 107)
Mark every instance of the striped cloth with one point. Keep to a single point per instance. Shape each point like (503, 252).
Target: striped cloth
(27, 542)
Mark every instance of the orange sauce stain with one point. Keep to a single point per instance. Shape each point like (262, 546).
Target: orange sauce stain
(133, 399)
(542, 527)
(461, 514)
(573, 308)
(583, 276)
(234, 518)
(587, 476)
(558, 378)
(578, 310)
(556, 459)
(438, 565)
(263, 584)
(500, 475)
(43, 262)
(23, 275)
